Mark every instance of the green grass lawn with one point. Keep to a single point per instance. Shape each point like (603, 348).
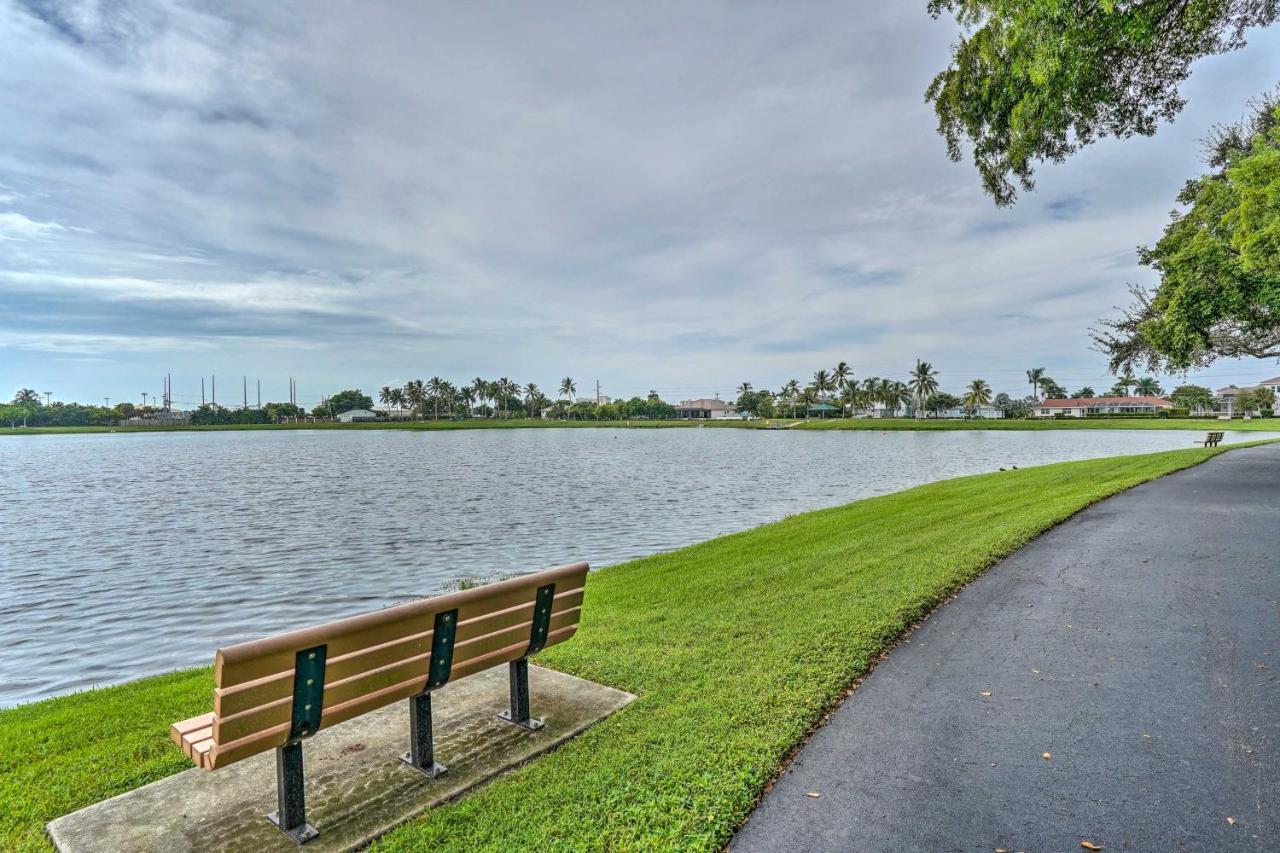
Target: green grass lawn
(1198, 424)
(736, 648)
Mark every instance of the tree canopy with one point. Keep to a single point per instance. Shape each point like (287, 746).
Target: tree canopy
(1030, 82)
(1219, 261)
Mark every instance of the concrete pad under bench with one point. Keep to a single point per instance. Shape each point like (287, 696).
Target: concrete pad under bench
(357, 788)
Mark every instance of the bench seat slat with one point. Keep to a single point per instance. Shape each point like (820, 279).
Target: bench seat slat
(260, 658)
(244, 697)
(231, 701)
(232, 728)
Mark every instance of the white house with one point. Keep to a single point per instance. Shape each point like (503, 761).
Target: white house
(1100, 406)
(704, 408)
(358, 416)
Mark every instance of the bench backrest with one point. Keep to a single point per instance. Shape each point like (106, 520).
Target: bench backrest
(352, 666)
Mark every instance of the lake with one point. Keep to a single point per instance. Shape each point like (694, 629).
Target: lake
(128, 554)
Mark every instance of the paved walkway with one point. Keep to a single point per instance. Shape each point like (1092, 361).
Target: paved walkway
(1138, 645)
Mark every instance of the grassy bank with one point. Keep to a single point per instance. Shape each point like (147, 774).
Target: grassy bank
(736, 647)
(1197, 424)
(885, 424)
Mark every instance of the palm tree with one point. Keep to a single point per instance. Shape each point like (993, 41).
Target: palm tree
(435, 385)
(850, 393)
(810, 397)
(841, 374)
(822, 382)
(791, 392)
(893, 395)
(1147, 386)
(567, 389)
(1034, 375)
(28, 397)
(467, 396)
(924, 381)
(415, 392)
(744, 389)
(449, 395)
(977, 395)
(397, 399)
(531, 394)
(1125, 383)
(385, 394)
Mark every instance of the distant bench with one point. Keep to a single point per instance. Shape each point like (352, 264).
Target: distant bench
(1210, 440)
(276, 692)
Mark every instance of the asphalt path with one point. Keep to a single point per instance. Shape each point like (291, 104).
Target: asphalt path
(1116, 681)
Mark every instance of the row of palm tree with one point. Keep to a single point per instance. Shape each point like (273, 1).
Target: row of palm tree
(839, 385)
(498, 397)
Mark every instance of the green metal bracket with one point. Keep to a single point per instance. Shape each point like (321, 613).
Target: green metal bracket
(446, 629)
(308, 692)
(541, 618)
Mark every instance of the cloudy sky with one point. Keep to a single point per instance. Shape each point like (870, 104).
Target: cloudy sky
(662, 195)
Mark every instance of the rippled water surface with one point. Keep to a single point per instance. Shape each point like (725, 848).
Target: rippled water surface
(128, 554)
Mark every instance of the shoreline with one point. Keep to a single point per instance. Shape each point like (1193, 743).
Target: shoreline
(717, 714)
(773, 424)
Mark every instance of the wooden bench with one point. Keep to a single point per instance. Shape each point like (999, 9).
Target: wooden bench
(276, 692)
(1210, 440)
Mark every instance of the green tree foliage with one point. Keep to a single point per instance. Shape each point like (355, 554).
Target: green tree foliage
(1193, 397)
(977, 395)
(1219, 262)
(345, 401)
(1266, 398)
(1086, 391)
(1051, 389)
(1036, 81)
(940, 401)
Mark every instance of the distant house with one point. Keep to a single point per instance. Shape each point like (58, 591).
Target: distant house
(1226, 397)
(704, 409)
(1101, 406)
(359, 416)
(987, 412)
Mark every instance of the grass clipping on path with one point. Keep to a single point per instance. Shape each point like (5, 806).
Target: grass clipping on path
(736, 647)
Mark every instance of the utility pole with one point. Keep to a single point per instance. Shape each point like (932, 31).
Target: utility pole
(144, 399)
(597, 392)
(245, 379)
(106, 402)
(213, 381)
(201, 390)
(47, 396)
(259, 395)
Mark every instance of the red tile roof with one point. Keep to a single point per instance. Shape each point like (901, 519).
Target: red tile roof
(1158, 402)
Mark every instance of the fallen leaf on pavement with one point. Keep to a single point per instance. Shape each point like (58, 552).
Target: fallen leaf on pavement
(1089, 845)
(813, 794)
(1047, 756)
(985, 693)
(1231, 821)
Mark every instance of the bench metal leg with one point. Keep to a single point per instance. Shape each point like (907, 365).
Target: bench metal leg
(291, 816)
(421, 754)
(519, 713)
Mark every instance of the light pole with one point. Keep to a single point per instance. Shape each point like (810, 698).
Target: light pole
(144, 399)
(47, 396)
